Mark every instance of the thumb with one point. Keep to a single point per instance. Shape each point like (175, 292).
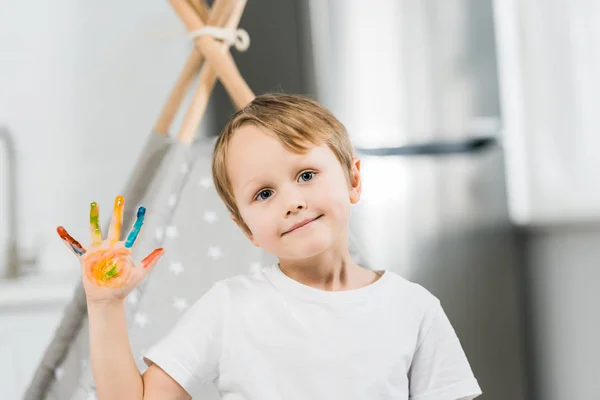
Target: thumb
(151, 259)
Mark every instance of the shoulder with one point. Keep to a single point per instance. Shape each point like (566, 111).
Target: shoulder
(411, 304)
(404, 291)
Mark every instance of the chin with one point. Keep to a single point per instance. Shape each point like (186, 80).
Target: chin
(306, 247)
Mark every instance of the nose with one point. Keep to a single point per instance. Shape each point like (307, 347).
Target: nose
(297, 206)
(294, 202)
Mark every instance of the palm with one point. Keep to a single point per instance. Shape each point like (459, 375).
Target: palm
(107, 266)
(108, 271)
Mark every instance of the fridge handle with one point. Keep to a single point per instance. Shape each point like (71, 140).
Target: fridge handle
(469, 145)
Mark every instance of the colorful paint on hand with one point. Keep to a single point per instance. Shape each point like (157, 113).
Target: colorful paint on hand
(109, 267)
(70, 242)
(137, 226)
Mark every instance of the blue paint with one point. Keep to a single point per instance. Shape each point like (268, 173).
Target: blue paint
(77, 250)
(136, 228)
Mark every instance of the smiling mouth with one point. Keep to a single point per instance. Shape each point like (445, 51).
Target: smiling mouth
(300, 227)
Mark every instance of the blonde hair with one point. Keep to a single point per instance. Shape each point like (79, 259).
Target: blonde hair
(295, 121)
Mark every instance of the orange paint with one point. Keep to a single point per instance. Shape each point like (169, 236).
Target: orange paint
(109, 267)
(152, 257)
(117, 219)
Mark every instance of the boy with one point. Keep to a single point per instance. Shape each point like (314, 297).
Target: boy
(314, 326)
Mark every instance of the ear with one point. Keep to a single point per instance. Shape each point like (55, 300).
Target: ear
(355, 181)
(246, 231)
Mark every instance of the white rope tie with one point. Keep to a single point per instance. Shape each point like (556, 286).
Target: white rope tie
(239, 38)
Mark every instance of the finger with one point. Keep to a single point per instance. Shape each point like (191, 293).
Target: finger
(136, 228)
(114, 233)
(152, 258)
(95, 224)
(73, 244)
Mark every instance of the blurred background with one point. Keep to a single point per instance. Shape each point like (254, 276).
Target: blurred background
(476, 121)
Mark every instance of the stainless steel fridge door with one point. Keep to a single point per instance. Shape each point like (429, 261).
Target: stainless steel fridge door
(442, 221)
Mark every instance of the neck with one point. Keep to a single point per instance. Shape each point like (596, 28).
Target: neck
(329, 271)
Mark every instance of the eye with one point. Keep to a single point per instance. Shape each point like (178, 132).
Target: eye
(307, 176)
(264, 194)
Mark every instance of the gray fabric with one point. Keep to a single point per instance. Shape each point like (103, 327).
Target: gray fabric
(203, 245)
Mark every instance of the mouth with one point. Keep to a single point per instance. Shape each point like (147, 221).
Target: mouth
(302, 225)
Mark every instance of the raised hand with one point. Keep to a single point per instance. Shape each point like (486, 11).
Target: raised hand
(108, 270)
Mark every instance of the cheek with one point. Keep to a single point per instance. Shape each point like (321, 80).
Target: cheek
(260, 222)
(333, 198)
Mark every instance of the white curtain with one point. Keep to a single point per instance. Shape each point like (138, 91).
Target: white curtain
(549, 64)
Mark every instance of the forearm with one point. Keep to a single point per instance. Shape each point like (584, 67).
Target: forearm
(115, 372)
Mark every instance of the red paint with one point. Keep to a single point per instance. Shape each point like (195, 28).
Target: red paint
(64, 235)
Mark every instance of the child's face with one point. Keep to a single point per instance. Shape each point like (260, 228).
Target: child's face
(276, 189)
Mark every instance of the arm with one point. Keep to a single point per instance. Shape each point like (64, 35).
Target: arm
(115, 372)
(113, 366)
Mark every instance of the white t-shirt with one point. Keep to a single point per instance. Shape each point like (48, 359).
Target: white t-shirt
(265, 336)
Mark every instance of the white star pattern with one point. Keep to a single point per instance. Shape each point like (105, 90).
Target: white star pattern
(176, 267)
(92, 396)
(210, 216)
(172, 200)
(58, 372)
(214, 252)
(180, 304)
(133, 297)
(141, 319)
(159, 233)
(172, 232)
(84, 363)
(205, 182)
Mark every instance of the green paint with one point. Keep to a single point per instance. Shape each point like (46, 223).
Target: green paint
(110, 273)
(94, 214)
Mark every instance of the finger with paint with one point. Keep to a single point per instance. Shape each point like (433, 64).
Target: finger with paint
(71, 243)
(95, 224)
(137, 226)
(114, 232)
(152, 258)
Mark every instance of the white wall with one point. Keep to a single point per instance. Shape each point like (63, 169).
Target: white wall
(81, 85)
